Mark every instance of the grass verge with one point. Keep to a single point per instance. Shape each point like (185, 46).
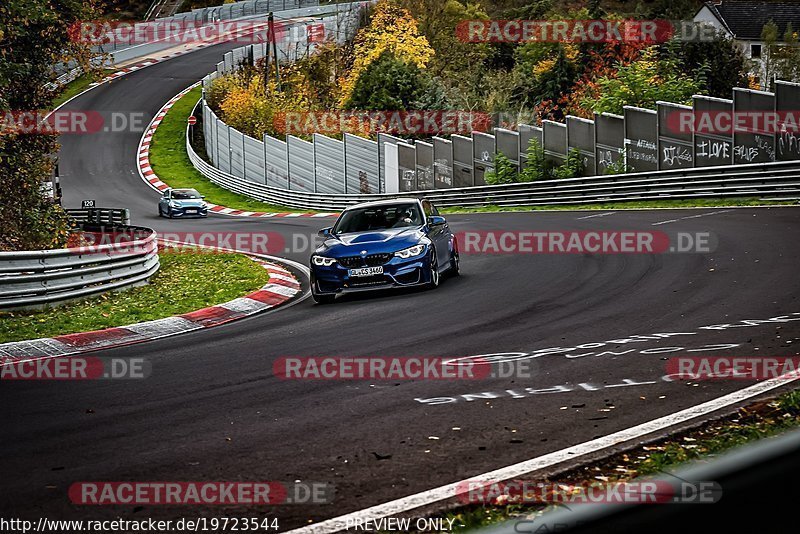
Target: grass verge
(757, 421)
(169, 160)
(78, 85)
(185, 282)
(649, 204)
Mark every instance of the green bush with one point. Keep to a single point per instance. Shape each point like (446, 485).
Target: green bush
(618, 167)
(391, 84)
(536, 167)
(504, 172)
(571, 168)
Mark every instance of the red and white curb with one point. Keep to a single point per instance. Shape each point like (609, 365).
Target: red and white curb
(149, 176)
(283, 286)
(127, 70)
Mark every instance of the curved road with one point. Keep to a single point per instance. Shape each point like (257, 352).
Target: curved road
(212, 409)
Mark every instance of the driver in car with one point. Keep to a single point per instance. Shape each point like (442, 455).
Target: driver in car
(406, 218)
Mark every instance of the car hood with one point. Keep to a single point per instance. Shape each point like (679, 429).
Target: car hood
(373, 242)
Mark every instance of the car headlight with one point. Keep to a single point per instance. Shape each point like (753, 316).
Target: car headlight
(410, 252)
(174, 204)
(204, 205)
(322, 260)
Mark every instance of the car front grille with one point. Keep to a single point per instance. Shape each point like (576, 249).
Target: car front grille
(373, 260)
(363, 281)
(351, 262)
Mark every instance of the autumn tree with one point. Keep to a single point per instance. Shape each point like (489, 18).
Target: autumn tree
(35, 36)
(438, 23)
(643, 83)
(391, 29)
(547, 73)
(245, 102)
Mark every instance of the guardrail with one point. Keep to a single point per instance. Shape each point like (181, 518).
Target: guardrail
(35, 279)
(117, 216)
(777, 178)
(158, 7)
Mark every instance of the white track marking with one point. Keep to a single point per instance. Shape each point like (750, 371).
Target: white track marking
(690, 217)
(598, 215)
(450, 491)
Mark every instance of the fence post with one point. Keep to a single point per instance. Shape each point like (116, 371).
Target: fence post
(230, 150)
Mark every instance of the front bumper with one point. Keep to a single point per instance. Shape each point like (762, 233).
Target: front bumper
(188, 211)
(397, 272)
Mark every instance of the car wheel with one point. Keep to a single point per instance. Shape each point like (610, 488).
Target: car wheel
(455, 267)
(160, 213)
(434, 282)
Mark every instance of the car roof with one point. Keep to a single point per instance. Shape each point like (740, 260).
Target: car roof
(387, 202)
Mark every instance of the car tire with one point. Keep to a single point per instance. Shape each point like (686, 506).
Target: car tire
(160, 213)
(434, 281)
(455, 265)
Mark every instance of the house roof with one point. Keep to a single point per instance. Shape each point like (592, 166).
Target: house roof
(746, 18)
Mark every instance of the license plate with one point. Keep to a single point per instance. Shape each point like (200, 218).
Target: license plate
(366, 271)
(191, 210)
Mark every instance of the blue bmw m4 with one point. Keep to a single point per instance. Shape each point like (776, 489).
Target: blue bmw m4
(390, 243)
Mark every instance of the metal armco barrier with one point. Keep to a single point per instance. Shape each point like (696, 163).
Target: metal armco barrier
(777, 178)
(33, 279)
(161, 7)
(100, 215)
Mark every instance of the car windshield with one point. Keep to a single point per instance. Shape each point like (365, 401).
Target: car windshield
(185, 194)
(379, 218)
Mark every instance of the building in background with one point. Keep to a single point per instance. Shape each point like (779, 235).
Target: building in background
(744, 20)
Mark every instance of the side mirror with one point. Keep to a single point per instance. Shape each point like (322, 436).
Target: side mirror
(325, 232)
(436, 220)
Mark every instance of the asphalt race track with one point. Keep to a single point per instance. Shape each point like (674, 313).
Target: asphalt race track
(212, 409)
